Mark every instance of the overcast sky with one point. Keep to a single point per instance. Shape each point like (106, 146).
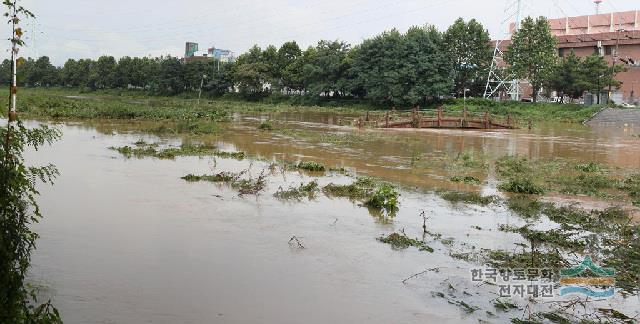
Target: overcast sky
(90, 28)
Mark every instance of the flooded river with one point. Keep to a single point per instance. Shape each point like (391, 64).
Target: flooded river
(128, 241)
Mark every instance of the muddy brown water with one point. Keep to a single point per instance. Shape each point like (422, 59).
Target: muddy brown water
(128, 241)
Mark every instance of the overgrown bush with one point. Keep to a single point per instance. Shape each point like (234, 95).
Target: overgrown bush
(18, 212)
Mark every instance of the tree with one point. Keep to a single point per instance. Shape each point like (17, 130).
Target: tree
(251, 73)
(425, 66)
(532, 53)
(294, 75)
(597, 74)
(468, 46)
(327, 69)
(375, 68)
(220, 80)
(288, 53)
(270, 59)
(18, 207)
(170, 78)
(568, 77)
(102, 74)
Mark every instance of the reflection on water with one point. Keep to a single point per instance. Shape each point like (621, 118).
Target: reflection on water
(127, 241)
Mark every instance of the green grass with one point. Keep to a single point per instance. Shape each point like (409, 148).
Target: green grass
(521, 185)
(129, 104)
(525, 176)
(522, 112)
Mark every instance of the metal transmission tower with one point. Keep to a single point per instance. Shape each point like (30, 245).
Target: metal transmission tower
(496, 81)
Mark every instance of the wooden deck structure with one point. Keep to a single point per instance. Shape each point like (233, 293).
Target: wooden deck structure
(417, 120)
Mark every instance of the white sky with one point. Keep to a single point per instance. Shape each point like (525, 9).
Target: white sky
(90, 28)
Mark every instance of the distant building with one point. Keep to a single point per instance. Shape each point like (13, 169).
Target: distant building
(191, 54)
(615, 36)
(222, 55)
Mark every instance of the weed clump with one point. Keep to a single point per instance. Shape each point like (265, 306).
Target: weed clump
(402, 241)
(385, 197)
(631, 186)
(590, 167)
(308, 190)
(586, 183)
(524, 260)
(311, 166)
(149, 150)
(512, 166)
(230, 155)
(468, 160)
(250, 186)
(504, 305)
(138, 152)
(220, 177)
(266, 125)
(467, 197)
(360, 189)
(466, 179)
(521, 185)
(525, 206)
(555, 238)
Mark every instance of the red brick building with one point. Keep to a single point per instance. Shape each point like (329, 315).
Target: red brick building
(615, 36)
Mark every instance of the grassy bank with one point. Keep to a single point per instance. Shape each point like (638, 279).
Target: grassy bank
(61, 103)
(521, 111)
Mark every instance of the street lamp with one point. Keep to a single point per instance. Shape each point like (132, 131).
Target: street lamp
(464, 95)
(599, 88)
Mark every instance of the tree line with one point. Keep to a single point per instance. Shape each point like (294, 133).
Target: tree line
(392, 68)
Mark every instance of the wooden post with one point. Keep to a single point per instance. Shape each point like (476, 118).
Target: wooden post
(486, 119)
(366, 118)
(386, 119)
(509, 119)
(464, 116)
(439, 116)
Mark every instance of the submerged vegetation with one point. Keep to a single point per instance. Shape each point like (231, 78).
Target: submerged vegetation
(466, 179)
(308, 191)
(402, 241)
(310, 166)
(383, 197)
(467, 197)
(151, 150)
(219, 177)
(524, 176)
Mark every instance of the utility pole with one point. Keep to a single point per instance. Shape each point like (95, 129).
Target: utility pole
(204, 76)
(614, 58)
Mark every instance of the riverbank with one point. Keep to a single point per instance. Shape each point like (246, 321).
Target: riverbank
(63, 103)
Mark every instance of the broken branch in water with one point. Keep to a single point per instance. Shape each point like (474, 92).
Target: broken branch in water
(437, 269)
(295, 240)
